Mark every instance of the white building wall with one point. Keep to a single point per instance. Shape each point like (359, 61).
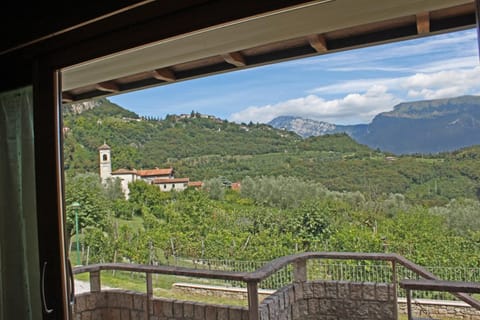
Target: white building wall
(125, 178)
(177, 186)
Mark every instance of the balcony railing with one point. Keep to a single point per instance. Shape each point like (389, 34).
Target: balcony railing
(253, 279)
(436, 285)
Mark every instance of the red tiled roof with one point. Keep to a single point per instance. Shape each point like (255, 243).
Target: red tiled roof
(125, 171)
(235, 186)
(167, 181)
(195, 184)
(155, 172)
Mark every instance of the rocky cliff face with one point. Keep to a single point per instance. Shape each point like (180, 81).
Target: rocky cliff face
(79, 107)
(426, 126)
(303, 127)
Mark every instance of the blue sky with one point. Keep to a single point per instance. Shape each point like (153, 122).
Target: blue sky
(343, 88)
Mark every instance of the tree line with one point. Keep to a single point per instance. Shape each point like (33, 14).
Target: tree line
(268, 218)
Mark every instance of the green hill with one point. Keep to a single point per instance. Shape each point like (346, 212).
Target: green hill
(144, 143)
(202, 148)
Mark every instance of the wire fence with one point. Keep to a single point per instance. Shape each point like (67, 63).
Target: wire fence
(324, 269)
(342, 270)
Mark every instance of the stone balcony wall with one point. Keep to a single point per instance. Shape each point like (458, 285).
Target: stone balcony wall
(129, 305)
(331, 300)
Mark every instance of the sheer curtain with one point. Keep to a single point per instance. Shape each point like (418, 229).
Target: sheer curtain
(19, 262)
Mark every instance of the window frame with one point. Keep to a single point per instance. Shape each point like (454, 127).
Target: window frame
(86, 43)
(92, 41)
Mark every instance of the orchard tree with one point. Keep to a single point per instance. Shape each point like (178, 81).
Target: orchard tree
(313, 222)
(87, 190)
(215, 188)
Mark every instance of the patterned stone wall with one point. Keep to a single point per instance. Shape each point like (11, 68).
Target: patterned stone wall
(319, 300)
(331, 300)
(129, 305)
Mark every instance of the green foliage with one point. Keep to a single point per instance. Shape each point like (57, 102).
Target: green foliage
(146, 196)
(193, 224)
(461, 216)
(282, 192)
(203, 149)
(124, 209)
(312, 222)
(86, 190)
(113, 189)
(215, 188)
(424, 238)
(323, 193)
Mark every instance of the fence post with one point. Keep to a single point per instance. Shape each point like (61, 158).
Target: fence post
(409, 304)
(95, 282)
(300, 270)
(149, 285)
(395, 285)
(252, 291)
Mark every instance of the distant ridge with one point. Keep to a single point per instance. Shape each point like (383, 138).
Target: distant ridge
(429, 126)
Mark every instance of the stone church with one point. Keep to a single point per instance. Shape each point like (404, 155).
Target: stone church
(163, 178)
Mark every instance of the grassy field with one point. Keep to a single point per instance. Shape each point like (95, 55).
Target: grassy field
(162, 285)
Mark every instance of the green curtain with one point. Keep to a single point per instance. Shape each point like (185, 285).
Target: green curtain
(19, 261)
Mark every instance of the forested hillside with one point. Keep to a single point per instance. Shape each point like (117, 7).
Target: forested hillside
(205, 148)
(323, 193)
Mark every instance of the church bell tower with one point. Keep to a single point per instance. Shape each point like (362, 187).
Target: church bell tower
(105, 162)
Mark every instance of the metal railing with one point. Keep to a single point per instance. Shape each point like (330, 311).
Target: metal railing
(297, 263)
(436, 285)
(324, 269)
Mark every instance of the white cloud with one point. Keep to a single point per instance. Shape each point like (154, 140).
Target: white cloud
(369, 97)
(358, 85)
(435, 94)
(464, 80)
(353, 108)
(387, 57)
(449, 64)
(428, 68)
(469, 61)
(442, 84)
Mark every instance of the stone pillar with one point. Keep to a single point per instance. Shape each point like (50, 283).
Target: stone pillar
(300, 271)
(95, 282)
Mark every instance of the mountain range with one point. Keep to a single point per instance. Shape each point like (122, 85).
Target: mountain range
(430, 126)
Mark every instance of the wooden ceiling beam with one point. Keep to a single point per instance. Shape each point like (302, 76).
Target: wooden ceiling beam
(235, 58)
(423, 22)
(108, 86)
(67, 97)
(318, 42)
(164, 74)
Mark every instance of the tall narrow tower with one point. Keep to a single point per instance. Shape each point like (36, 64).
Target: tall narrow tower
(105, 162)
